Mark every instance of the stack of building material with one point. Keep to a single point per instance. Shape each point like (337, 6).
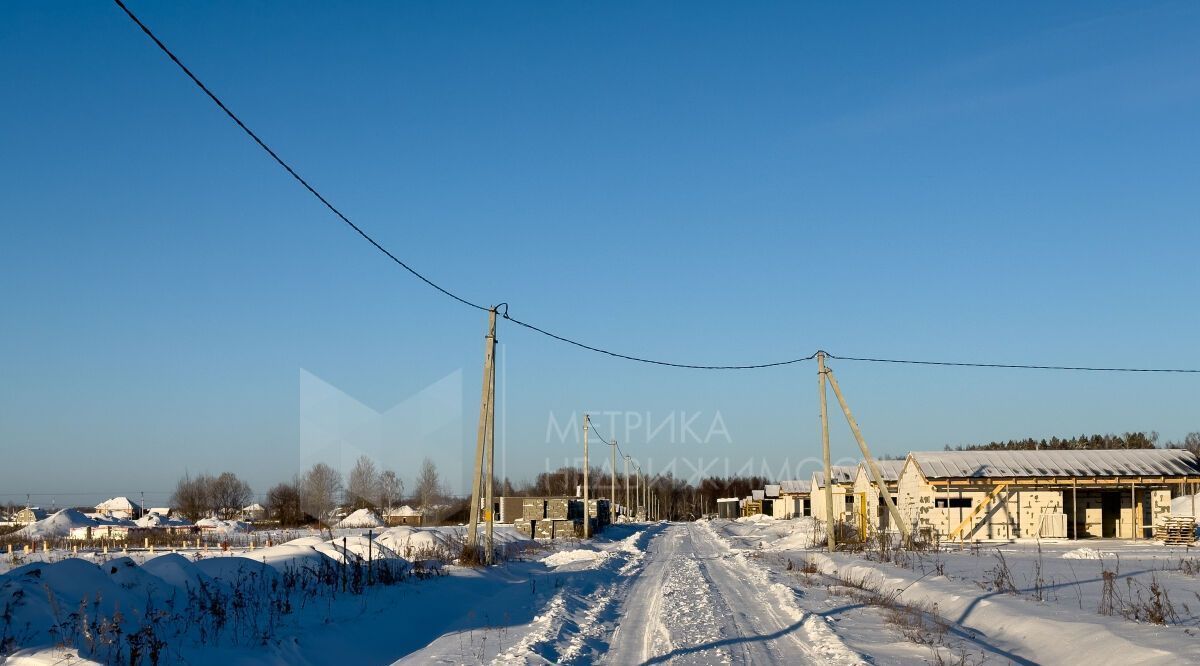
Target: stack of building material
(558, 508)
(567, 529)
(543, 529)
(525, 527)
(1176, 530)
(533, 508)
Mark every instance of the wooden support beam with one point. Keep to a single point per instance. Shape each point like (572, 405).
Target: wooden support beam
(872, 466)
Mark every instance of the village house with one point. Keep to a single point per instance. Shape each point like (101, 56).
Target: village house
(119, 507)
(978, 495)
(254, 513)
(870, 511)
(30, 514)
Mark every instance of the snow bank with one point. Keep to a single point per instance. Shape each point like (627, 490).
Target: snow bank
(1087, 554)
(177, 570)
(155, 520)
(363, 518)
(218, 526)
(417, 542)
(57, 525)
(565, 557)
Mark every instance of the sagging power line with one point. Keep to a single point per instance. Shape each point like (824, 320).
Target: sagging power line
(600, 350)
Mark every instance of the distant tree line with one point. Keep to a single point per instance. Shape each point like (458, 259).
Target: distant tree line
(1129, 440)
(310, 497)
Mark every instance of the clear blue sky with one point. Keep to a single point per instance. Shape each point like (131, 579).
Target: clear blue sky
(701, 182)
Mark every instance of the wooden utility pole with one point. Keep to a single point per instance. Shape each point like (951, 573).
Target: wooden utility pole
(612, 496)
(485, 421)
(830, 526)
(490, 455)
(638, 495)
(626, 486)
(872, 466)
(587, 509)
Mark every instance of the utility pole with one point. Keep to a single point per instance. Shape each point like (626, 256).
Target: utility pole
(587, 509)
(626, 486)
(638, 495)
(612, 496)
(830, 526)
(489, 497)
(872, 466)
(142, 508)
(481, 441)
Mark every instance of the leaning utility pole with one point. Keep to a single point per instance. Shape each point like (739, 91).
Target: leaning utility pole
(587, 509)
(478, 487)
(871, 464)
(829, 524)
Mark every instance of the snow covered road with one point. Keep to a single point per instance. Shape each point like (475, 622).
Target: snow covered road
(697, 602)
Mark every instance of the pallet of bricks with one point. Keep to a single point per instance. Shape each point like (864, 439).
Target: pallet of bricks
(1176, 530)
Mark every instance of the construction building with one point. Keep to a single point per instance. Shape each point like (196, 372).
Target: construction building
(870, 513)
(843, 498)
(979, 495)
(794, 500)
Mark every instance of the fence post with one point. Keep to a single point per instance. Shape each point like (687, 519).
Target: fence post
(370, 556)
(345, 563)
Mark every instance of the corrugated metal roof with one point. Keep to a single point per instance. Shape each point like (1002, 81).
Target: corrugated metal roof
(757, 494)
(772, 490)
(1121, 462)
(841, 474)
(889, 469)
(795, 486)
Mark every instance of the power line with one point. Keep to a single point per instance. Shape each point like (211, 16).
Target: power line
(751, 366)
(1015, 366)
(300, 179)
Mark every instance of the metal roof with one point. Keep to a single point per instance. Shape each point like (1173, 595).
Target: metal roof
(796, 487)
(841, 474)
(772, 490)
(1118, 462)
(889, 469)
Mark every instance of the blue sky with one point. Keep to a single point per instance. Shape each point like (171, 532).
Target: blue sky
(700, 182)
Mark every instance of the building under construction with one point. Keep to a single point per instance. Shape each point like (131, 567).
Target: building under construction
(979, 495)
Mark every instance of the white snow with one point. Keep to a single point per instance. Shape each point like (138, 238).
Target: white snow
(362, 518)
(57, 525)
(565, 557)
(1087, 554)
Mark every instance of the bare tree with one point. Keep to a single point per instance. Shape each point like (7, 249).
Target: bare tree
(391, 489)
(429, 486)
(193, 496)
(228, 495)
(283, 504)
(363, 488)
(319, 488)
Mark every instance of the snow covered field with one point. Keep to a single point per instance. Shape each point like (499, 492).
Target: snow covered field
(747, 591)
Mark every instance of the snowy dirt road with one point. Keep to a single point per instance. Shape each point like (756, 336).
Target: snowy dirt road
(697, 602)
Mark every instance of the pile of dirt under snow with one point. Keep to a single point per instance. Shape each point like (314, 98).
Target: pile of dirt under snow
(57, 525)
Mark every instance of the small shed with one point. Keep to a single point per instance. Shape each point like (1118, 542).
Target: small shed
(729, 508)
